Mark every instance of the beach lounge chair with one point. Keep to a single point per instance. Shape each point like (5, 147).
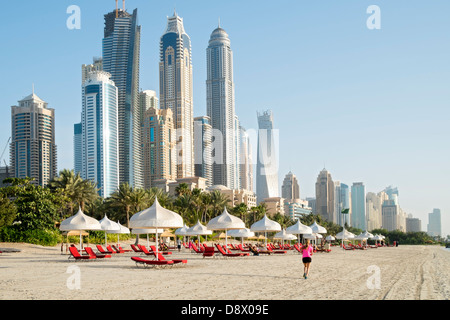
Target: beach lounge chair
(209, 252)
(93, 254)
(194, 247)
(227, 250)
(241, 247)
(175, 261)
(108, 247)
(276, 251)
(136, 249)
(123, 250)
(103, 251)
(75, 254)
(156, 263)
(226, 254)
(347, 248)
(153, 248)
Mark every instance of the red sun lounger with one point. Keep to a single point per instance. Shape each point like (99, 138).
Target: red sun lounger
(145, 262)
(77, 256)
(93, 254)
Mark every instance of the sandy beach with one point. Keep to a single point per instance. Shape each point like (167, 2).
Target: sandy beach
(401, 273)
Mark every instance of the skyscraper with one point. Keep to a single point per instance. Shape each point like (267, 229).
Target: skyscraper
(245, 163)
(121, 50)
(341, 201)
(100, 128)
(158, 140)
(434, 223)
(147, 99)
(373, 210)
(267, 164)
(78, 147)
(359, 206)
(33, 148)
(290, 189)
(203, 148)
(325, 196)
(176, 90)
(221, 108)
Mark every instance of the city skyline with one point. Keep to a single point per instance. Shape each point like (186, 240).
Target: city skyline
(388, 141)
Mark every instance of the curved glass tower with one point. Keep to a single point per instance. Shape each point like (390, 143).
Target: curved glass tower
(176, 90)
(267, 165)
(220, 106)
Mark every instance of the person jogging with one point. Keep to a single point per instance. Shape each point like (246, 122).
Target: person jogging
(307, 251)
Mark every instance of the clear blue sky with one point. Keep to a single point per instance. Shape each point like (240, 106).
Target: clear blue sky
(371, 106)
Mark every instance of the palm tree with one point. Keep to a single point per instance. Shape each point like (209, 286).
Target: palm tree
(182, 188)
(123, 199)
(164, 199)
(79, 191)
(241, 210)
(183, 205)
(218, 202)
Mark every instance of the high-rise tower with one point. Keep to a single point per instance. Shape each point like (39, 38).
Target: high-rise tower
(290, 189)
(267, 164)
(325, 196)
(99, 137)
(121, 50)
(220, 106)
(33, 148)
(176, 90)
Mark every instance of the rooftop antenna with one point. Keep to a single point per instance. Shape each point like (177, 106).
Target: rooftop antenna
(123, 5)
(117, 9)
(33, 88)
(219, 22)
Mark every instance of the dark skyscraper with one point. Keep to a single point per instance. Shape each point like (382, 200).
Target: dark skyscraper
(121, 51)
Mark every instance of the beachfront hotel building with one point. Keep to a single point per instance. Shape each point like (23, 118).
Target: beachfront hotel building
(325, 196)
(434, 227)
(267, 163)
(121, 53)
(220, 105)
(236, 196)
(290, 189)
(78, 147)
(358, 219)
(176, 90)
(159, 146)
(203, 148)
(99, 132)
(33, 148)
(413, 224)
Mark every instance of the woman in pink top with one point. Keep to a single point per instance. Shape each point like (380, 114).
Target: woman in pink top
(307, 251)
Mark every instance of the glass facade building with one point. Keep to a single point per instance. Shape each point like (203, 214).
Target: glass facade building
(121, 54)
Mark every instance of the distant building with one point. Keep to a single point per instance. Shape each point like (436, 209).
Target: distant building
(373, 211)
(4, 174)
(341, 202)
(78, 147)
(121, 55)
(267, 164)
(158, 146)
(358, 206)
(290, 189)
(100, 129)
(203, 149)
(236, 196)
(274, 205)
(246, 161)
(413, 224)
(221, 107)
(325, 196)
(147, 99)
(296, 210)
(97, 65)
(33, 148)
(312, 204)
(176, 90)
(170, 186)
(434, 228)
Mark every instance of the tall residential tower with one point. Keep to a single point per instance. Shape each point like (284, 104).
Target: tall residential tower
(33, 148)
(121, 50)
(176, 90)
(221, 108)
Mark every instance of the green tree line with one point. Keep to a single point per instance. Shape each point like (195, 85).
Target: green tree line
(30, 213)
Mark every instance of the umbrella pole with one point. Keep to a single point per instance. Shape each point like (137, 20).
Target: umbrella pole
(226, 238)
(80, 240)
(157, 246)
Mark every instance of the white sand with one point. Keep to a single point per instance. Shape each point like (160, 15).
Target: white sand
(402, 273)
